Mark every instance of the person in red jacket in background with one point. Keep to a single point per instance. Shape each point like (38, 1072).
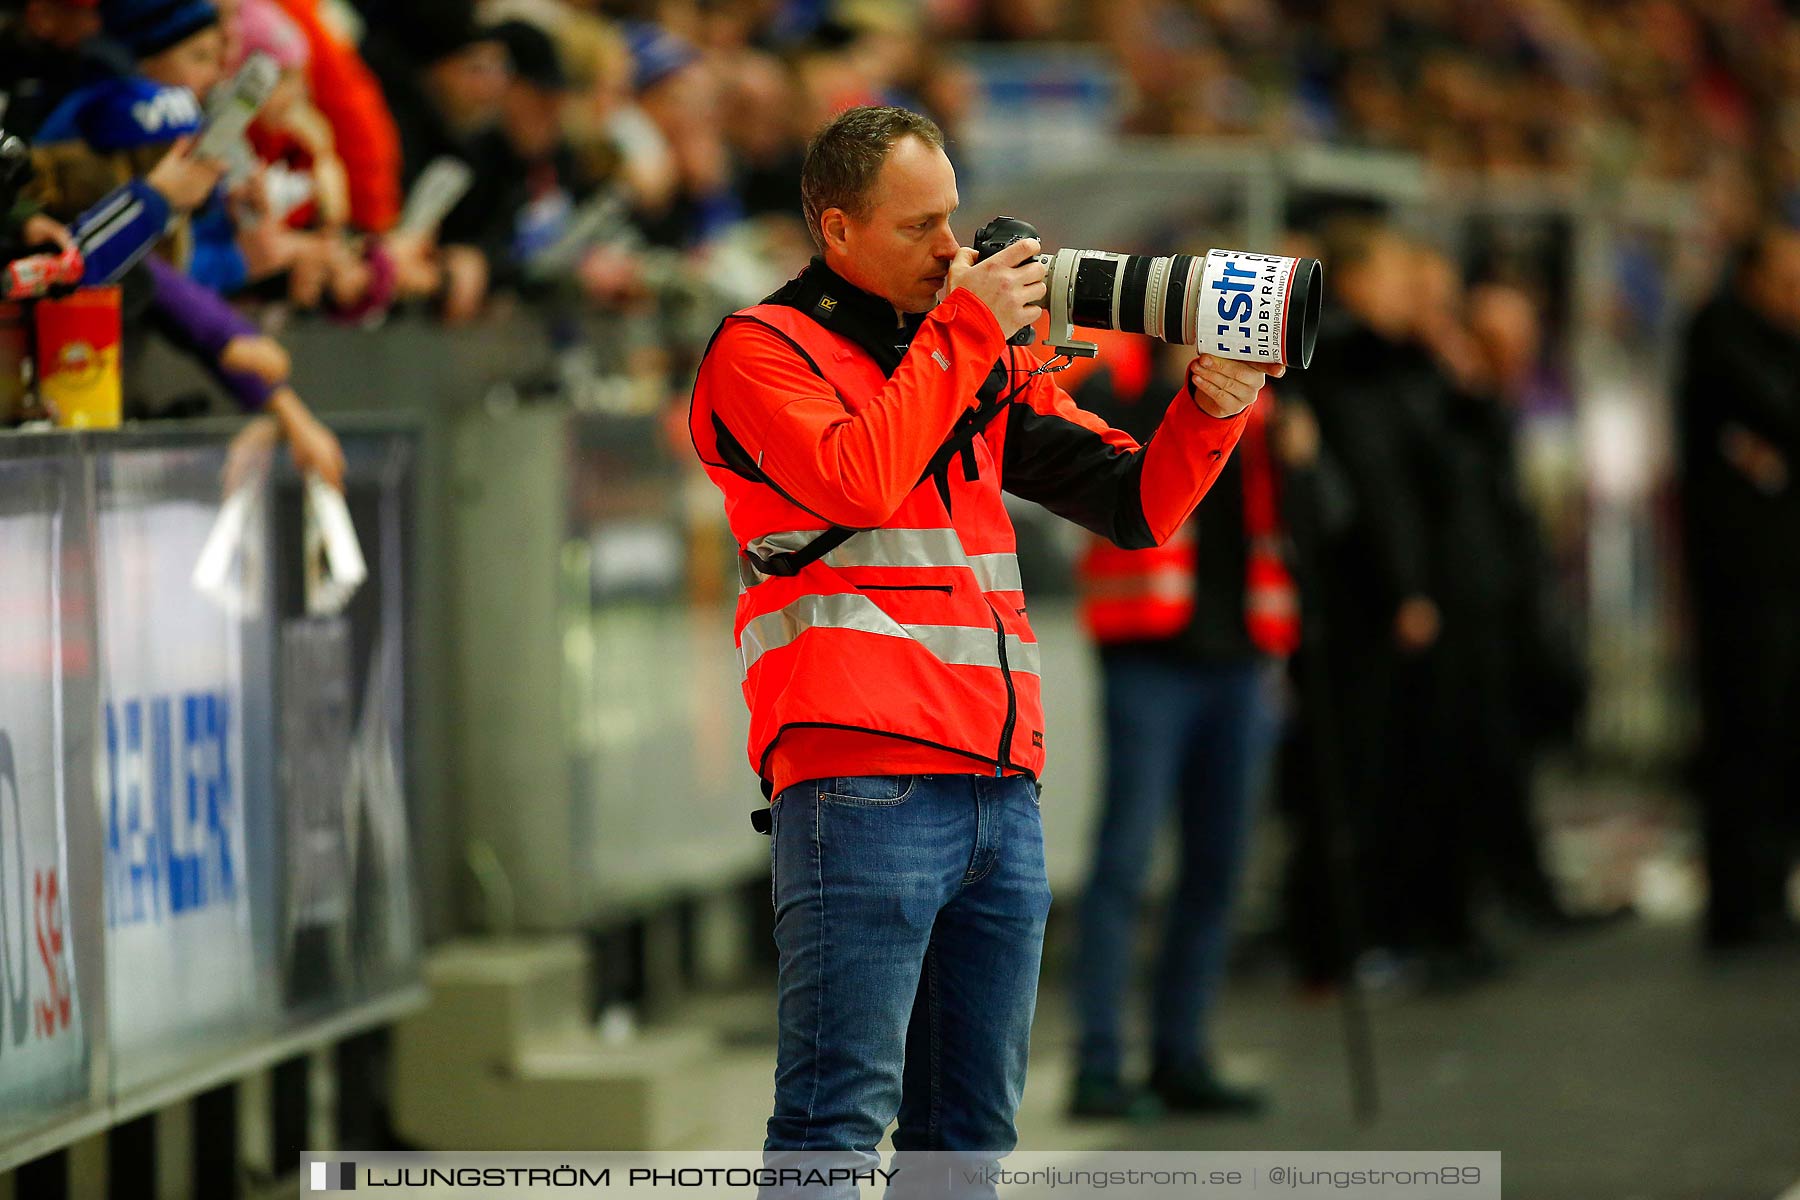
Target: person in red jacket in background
(1192, 635)
(861, 424)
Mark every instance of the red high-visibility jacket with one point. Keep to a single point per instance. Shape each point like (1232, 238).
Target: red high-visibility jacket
(906, 649)
(1137, 595)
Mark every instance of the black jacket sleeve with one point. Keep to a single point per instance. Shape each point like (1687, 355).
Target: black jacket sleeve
(1072, 462)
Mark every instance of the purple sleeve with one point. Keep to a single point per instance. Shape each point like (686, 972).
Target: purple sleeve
(200, 322)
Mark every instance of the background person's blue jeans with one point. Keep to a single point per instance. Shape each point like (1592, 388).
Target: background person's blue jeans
(1194, 738)
(909, 915)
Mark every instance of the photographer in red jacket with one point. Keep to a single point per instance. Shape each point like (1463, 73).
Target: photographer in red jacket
(861, 424)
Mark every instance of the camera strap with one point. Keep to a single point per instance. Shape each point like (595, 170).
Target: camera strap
(959, 444)
(835, 303)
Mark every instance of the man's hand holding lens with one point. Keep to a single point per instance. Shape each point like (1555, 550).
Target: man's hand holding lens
(1225, 387)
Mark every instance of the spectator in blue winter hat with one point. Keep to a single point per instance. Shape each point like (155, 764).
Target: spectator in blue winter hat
(118, 128)
(679, 92)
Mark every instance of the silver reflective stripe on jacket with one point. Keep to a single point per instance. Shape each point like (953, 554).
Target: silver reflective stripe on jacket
(954, 645)
(897, 548)
(996, 572)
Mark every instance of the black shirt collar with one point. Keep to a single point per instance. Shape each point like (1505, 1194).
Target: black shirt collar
(846, 309)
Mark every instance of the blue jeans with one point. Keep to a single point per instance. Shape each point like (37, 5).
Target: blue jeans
(909, 915)
(1194, 738)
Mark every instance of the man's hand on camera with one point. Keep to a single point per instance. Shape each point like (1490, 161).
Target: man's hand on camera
(1225, 387)
(1010, 284)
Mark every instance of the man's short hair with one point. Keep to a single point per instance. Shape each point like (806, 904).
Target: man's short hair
(845, 157)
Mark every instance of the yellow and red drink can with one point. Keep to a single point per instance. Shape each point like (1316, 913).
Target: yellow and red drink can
(78, 358)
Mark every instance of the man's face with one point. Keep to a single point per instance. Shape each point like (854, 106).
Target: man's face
(1505, 324)
(63, 25)
(901, 249)
(1378, 289)
(533, 117)
(470, 84)
(195, 64)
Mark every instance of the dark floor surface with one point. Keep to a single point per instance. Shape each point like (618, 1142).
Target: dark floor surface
(1613, 1065)
(1618, 1064)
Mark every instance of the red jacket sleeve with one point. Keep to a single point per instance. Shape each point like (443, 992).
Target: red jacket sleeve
(850, 463)
(345, 91)
(1074, 464)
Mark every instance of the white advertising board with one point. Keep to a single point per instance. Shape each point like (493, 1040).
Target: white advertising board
(43, 1038)
(180, 959)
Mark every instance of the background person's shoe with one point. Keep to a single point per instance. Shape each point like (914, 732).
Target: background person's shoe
(1109, 1098)
(1195, 1089)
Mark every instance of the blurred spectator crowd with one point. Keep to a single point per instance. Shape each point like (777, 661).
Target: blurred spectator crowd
(683, 121)
(597, 136)
(1665, 89)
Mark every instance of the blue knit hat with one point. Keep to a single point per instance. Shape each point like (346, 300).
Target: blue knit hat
(656, 53)
(147, 27)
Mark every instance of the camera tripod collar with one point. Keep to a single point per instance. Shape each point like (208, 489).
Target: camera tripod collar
(1062, 337)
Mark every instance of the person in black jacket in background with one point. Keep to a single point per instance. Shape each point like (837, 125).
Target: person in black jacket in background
(1450, 695)
(528, 181)
(1373, 567)
(1505, 672)
(1739, 430)
(1529, 654)
(445, 77)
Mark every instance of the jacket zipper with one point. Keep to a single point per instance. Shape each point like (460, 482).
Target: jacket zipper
(1004, 758)
(905, 587)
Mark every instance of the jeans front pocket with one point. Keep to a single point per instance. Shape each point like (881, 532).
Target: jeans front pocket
(869, 790)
